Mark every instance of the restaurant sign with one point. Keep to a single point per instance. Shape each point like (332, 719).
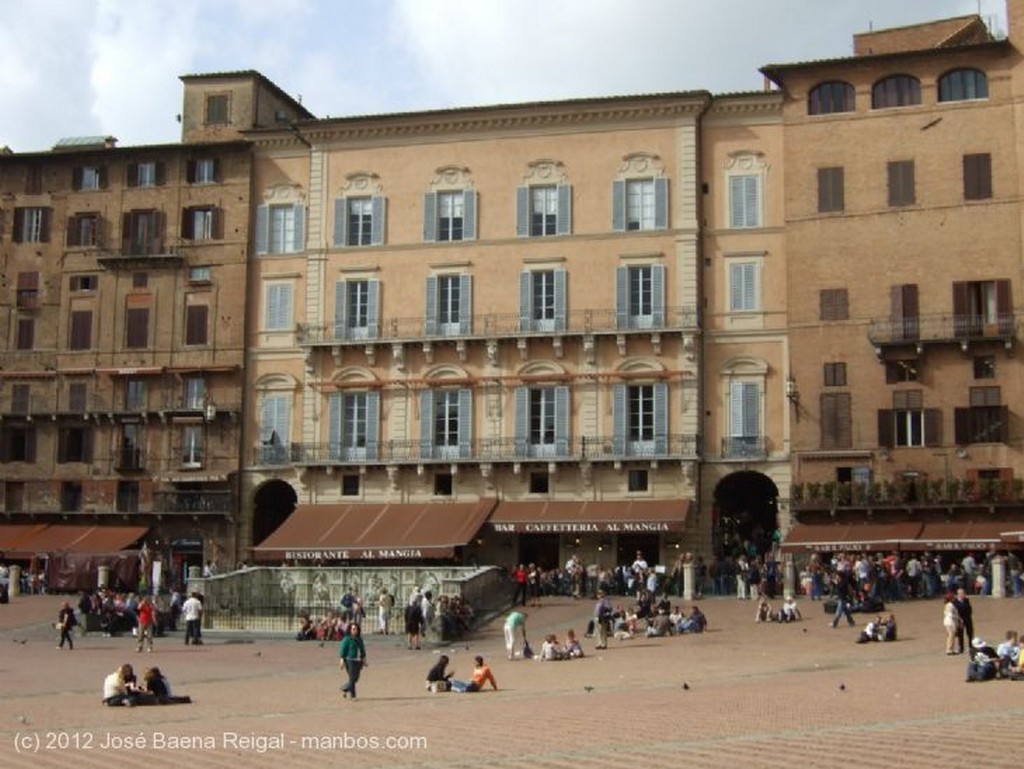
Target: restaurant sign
(368, 554)
(603, 527)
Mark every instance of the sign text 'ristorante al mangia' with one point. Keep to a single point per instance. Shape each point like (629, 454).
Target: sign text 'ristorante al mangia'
(383, 554)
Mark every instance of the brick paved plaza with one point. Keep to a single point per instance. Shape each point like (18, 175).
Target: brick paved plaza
(758, 696)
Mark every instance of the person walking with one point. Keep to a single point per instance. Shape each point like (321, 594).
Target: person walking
(602, 619)
(147, 624)
(844, 597)
(352, 657)
(515, 633)
(385, 603)
(66, 623)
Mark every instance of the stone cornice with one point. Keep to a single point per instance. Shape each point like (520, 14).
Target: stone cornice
(759, 103)
(525, 117)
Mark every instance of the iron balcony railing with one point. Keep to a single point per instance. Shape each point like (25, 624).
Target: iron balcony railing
(942, 328)
(499, 324)
(583, 448)
(745, 447)
(195, 502)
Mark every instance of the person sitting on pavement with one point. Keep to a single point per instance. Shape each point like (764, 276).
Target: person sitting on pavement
(1009, 653)
(572, 649)
(120, 688)
(481, 675)
(888, 629)
(983, 664)
(551, 650)
(763, 612)
(660, 626)
(156, 685)
(695, 623)
(789, 612)
(439, 677)
(871, 632)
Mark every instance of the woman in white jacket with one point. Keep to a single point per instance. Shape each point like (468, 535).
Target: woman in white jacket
(950, 621)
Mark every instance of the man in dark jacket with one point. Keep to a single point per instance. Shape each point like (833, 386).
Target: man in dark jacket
(963, 607)
(844, 598)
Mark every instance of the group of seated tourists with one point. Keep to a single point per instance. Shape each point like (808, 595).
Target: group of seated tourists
(789, 611)
(1003, 662)
(331, 627)
(879, 629)
(123, 688)
(552, 650)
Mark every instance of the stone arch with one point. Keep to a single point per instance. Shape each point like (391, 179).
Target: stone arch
(272, 503)
(746, 510)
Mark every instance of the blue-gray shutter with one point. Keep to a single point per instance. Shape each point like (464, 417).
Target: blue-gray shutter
(378, 206)
(526, 301)
(522, 422)
(661, 203)
(465, 304)
(372, 424)
(658, 295)
(430, 324)
(465, 423)
(560, 299)
(373, 309)
(430, 217)
(562, 421)
(340, 316)
(340, 222)
(619, 205)
(299, 243)
(268, 419)
(660, 419)
(522, 212)
(426, 424)
(620, 420)
(469, 215)
(262, 228)
(751, 417)
(334, 412)
(621, 297)
(564, 224)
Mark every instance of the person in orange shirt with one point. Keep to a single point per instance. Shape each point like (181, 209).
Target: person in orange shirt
(147, 624)
(481, 675)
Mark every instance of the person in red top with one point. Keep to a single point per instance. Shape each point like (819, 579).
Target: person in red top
(147, 624)
(521, 576)
(481, 675)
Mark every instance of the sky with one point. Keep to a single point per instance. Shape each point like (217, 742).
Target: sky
(111, 67)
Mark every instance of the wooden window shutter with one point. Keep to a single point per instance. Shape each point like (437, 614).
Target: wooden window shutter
(564, 224)
(977, 176)
(661, 203)
(429, 218)
(44, 230)
(886, 428)
(196, 324)
(933, 427)
(1004, 308)
(618, 205)
(132, 175)
(217, 223)
(136, 323)
(469, 215)
(190, 171)
(522, 212)
(186, 223)
(962, 426)
(161, 173)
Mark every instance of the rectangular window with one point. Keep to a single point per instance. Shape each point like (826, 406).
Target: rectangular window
(831, 191)
(127, 496)
(145, 174)
(977, 176)
(743, 291)
(357, 303)
(19, 443)
(543, 211)
(901, 182)
(78, 398)
(985, 367)
(26, 334)
(542, 300)
(449, 290)
(74, 444)
(275, 428)
(641, 413)
(638, 480)
(744, 420)
(446, 423)
(444, 484)
(192, 446)
(640, 204)
(140, 279)
(278, 315)
(31, 225)
(87, 178)
(836, 422)
(21, 398)
(908, 423)
(985, 420)
(350, 485)
(136, 324)
(83, 230)
(34, 180)
(834, 304)
(196, 324)
(71, 497)
(80, 337)
(835, 374)
(83, 282)
(199, 275)
(135, 395)
(744, 200)
(360, 221)
(897, 371)
(202, 171)
(450, 215)
(142, 233)
(982, 308)
(217, 109)
(27, 297)
(282, 229)
(542, 417)
(199, 223)
(540, 483)
(641, 294)
(354, 424)
(195, 393)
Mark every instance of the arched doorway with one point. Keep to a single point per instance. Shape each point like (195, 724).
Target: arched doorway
(746, 507)
(273, 502)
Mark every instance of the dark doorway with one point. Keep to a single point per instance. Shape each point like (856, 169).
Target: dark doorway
(746, 506)
(630, 544)
(541, 549)
(273, 502)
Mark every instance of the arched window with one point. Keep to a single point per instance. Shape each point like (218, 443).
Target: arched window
(834, 96)
(896, 91)
(963, 84)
